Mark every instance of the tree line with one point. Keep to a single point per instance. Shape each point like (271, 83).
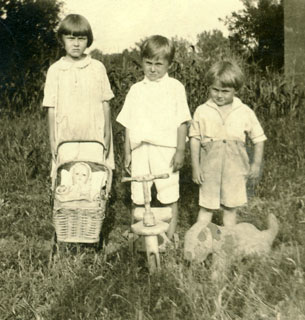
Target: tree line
(29, 44)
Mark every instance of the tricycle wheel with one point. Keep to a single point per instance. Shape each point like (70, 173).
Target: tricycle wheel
(153, 261)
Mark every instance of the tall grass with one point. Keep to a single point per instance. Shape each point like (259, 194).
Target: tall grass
(89, 284)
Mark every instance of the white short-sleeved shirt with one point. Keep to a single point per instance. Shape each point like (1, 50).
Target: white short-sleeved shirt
(77, 90)
(209, 125)
(153, 111)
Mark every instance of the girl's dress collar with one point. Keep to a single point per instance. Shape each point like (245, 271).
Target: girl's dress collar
(66, 65)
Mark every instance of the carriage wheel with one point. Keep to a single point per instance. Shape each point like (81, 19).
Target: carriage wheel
(53, 249)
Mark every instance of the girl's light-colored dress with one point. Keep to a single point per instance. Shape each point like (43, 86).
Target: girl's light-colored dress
(223, 156)
(77, 91)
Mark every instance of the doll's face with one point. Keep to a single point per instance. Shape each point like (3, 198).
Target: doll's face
(80, 174)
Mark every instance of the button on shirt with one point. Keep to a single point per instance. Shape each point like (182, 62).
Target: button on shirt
(153, 111)
(209, 124)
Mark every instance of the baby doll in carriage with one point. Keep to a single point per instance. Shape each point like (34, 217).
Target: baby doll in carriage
(80, 193)
(77, 184)
(77, 94)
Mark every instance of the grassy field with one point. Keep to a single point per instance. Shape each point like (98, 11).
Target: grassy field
(88, 284)
(92, 285)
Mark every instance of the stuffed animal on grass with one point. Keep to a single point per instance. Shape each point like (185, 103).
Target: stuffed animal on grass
(226, 242)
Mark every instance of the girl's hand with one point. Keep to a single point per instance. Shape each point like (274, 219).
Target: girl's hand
(197, 175)
(107, 127)
(177, 160)
(254, 171)
(127, 163)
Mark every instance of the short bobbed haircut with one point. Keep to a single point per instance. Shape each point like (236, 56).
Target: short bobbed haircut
(228, 73)
(76, 25)
(158, 47)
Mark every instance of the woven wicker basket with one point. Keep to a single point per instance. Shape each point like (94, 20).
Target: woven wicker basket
(81, 225)
(80, 221)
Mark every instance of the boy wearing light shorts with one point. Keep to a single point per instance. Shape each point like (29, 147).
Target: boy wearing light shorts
(155, 115)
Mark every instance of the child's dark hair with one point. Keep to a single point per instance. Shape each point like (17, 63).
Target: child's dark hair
(158, 46)
(76, 25)
(228, 73)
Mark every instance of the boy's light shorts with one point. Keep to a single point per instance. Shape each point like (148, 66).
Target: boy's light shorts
(225, 165)
(152, 159)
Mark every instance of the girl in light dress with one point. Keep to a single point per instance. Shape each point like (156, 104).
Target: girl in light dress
(77, 94)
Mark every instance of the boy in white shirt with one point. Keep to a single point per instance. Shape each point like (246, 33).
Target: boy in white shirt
(155, 115)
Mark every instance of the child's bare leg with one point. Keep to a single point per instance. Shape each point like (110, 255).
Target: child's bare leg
(173, 224)
(204, 216)
(229, 216)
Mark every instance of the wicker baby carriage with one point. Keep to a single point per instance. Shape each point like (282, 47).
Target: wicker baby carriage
(81, 188)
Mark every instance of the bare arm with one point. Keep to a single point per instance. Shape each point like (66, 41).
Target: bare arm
(51, 122)
(178, 159)
(107, 129)
(257, 160)
(127, 161)
(197, 174)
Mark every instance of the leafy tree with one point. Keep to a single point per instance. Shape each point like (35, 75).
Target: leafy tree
(28, 45)
(258, 30)
(212, 45)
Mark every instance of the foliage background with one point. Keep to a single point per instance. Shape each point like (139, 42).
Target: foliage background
(89, 284)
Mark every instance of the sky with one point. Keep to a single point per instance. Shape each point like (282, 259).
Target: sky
(118, 24)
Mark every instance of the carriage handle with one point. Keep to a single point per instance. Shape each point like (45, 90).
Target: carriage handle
(77, 141)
